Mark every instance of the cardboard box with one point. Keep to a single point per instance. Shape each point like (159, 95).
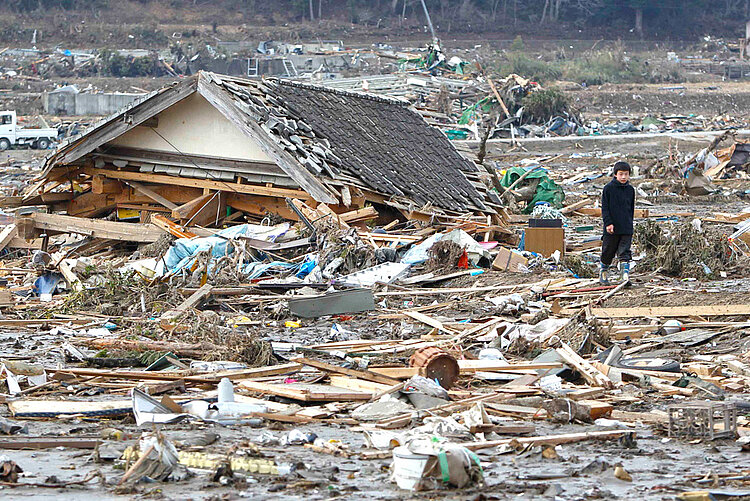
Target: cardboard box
(509, 260)
(545, 241)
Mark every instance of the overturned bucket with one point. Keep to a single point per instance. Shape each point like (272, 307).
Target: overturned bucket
(408, 467)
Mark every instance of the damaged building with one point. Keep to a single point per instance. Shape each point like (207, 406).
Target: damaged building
(214, 144)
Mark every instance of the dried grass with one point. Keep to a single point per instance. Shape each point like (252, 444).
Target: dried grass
(681, 251)
(443, 255)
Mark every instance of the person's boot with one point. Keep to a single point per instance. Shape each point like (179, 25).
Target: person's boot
(614, 274)
(604, 274)
(625, 270)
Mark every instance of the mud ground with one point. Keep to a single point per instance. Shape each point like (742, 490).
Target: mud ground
(660, 468)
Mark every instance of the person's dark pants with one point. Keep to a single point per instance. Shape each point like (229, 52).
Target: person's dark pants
(618, 245)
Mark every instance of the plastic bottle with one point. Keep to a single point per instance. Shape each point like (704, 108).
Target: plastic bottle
(226, 390)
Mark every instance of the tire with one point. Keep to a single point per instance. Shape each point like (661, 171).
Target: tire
(42, 144)
(4, 144)
(649, 364)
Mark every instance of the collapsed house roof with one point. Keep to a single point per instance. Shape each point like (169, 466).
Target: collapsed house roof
(289, 139)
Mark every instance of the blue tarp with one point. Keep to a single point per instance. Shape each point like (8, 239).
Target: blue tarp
(184, 251)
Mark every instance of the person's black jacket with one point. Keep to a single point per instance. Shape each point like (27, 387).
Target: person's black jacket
(618, 207)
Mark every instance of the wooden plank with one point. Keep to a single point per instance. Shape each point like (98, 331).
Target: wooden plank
(254, 131)
(739, 367)
(596, 408)
(284, 418)
(175, 194)
(151, 194)
(112, 230)
(41, 199)
(45, 409)
(654, 417)
(518, 411)
(172, 228)
(472, 366)
(305, 392)
(323, 209)
(425, 319)
(363, 214)
(4, 322)
(389, 237)
(135, 375)
(468, 367)
(191, 302)
(590, 373)
(261, 206)
(597, 212)
(366, 375)
(453, 290)
(351, 383)
(396, 372)
(7, 235)
(667, 311)
(186, 210)
(91, 204)
(102, 185)
(67, 272)
(207, 210)
(572, 207)
(566, 438)
(214, 185)
(36, 443)
(255, 372)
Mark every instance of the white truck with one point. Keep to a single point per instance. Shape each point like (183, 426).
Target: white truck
(11, 134)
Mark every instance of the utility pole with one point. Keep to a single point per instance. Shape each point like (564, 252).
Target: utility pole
(429, 22)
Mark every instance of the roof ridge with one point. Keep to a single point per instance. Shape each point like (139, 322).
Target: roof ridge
(341, 92)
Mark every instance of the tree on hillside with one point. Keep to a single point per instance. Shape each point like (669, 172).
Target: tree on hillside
(642, 18)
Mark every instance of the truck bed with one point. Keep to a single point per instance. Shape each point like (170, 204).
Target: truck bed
(22, 132)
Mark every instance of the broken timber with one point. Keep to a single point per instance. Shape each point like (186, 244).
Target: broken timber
(98, 228)
(191, 302)
(590, 373)
(668, 311)
(567, 438)
(366, 375)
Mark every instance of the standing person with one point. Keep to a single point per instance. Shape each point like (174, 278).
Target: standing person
(618, 207)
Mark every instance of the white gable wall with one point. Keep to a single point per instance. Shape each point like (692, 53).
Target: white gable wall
(194, 127)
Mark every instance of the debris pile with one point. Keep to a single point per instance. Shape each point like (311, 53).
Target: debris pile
(334, 304)
(686, 250)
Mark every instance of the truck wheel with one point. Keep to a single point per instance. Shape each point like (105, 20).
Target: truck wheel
(4, 144)
(43, 143)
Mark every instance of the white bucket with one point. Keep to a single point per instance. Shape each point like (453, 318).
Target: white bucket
(408, 467)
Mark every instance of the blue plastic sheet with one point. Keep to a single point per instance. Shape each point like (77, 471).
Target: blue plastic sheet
(184, 251)
(310, 262)
(257, 269)
(46, 284)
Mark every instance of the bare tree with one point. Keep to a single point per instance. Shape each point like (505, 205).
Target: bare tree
(486, 133)
(495, 4)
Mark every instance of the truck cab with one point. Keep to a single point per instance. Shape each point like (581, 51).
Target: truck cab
(13, 135)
